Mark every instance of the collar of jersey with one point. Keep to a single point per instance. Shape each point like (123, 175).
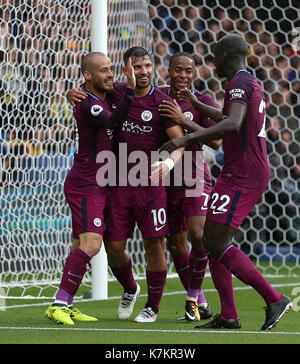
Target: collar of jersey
(239, 72)
(89, 93)
(97, 98)
(152, 90)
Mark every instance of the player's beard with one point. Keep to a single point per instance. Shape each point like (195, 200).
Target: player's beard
(142, 84)
(106, 85)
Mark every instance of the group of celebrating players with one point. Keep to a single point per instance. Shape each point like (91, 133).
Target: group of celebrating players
(179, 121)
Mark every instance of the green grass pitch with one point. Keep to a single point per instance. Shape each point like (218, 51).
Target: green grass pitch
(27, 325)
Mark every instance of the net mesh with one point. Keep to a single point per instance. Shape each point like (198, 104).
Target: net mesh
(41, 44)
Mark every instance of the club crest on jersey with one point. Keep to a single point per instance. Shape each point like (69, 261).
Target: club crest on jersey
(189, 115)
(96, 110)
(146, 115)
(97, 222)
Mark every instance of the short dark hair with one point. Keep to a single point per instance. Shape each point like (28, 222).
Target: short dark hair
(87, 61)
(179, 54)
(135, 51)
(233, 45)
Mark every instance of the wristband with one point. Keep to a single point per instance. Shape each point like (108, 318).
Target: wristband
(170, 163)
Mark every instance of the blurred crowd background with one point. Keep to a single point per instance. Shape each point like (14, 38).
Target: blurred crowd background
(41, 45)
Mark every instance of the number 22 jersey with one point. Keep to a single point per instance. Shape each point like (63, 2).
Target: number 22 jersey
(245, 152)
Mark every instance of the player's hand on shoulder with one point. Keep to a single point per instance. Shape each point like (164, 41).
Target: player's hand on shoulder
(171, 110)
(75, 95)
(129, 73)
(186, 95)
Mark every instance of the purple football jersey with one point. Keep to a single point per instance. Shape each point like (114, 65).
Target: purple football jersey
(245, 152)
(94, 118)
(91, 140)
(203, 121)
(144, 129)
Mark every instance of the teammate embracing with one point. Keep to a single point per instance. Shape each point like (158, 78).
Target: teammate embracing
(87, 200)
(188, 202)
(143, 203)
(242, 181)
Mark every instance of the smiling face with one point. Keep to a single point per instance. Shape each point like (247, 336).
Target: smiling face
(143, 69)
(181, 72)
(100, 74)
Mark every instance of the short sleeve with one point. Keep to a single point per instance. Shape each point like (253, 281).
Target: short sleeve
(93, 111)
(239, 90)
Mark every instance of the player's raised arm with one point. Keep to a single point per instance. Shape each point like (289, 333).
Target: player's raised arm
(129, 73)
(209, 111)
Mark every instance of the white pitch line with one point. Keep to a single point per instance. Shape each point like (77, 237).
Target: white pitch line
(277, 285)
(150, 330)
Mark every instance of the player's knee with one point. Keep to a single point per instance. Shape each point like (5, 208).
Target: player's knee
(208, 244)
(176, 247)
(91, 244)
(95, 246)
(116, 253)
(113, 249)
(212, 246)
(154, 247)
(197, 238)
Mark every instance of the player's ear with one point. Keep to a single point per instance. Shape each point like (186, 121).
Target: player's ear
(87, 75)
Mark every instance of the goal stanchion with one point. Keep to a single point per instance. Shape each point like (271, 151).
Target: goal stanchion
(99, 44)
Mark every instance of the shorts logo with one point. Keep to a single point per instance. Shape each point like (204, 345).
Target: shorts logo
(97, 222)
(215, 212)
(146, 115)
(188, 115)
(96, 110)
(159, 228)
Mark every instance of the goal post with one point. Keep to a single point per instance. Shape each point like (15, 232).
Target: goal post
(99, 44)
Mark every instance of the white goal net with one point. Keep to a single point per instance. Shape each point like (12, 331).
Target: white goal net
(41, 44)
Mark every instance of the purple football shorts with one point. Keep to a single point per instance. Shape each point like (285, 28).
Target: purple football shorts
(87, 212)
(181, 207)
(145, 206)
(230, 204)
